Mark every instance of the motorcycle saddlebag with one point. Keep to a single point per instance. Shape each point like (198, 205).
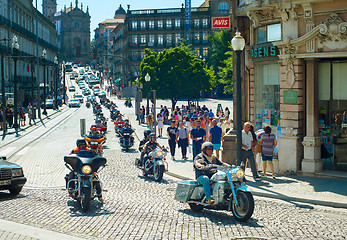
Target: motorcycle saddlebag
(184, 190)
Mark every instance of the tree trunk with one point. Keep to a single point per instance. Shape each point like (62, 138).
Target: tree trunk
(173, 102)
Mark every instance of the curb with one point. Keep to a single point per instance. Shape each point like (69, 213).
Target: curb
(285, 198)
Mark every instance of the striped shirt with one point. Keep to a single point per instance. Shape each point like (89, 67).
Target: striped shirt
(268, 143)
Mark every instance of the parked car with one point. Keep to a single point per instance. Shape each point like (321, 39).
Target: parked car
(79, 97)
(74, 103)
(72, 89)
(96, 92)
(11, 176)
(49, 104)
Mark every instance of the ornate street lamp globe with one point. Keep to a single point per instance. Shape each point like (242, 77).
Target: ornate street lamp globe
(15, 44)
(44, 53)
(55, 60)
(147, 78)
(238, 42)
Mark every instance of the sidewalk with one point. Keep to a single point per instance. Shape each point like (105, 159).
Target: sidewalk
(324, 191)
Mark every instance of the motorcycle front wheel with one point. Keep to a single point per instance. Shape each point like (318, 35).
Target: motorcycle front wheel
(85, 199)
(158, 172)
(244, 210)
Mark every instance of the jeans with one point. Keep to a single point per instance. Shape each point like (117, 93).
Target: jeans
(196, 149)
(250, 156)
(184, 145)
(172, 144)
(205, 181)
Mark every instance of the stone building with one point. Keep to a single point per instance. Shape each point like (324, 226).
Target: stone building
(49, 8)
(294, 68)
(73, 26)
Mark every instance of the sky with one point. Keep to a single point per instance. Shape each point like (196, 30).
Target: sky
(100, 10)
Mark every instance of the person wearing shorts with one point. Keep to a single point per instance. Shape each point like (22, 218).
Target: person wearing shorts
(215, 136)
(268, 142)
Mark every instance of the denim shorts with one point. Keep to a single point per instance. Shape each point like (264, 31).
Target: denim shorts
(266, 158)
(216, 146)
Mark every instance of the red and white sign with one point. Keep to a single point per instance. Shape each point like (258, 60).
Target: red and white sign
(221, 22)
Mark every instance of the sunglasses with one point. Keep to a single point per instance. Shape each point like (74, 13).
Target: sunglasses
(210, 148)
(153, 137)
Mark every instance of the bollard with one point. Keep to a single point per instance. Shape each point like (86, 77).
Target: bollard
(83, 127)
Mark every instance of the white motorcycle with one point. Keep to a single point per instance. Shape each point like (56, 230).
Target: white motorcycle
(229, 192)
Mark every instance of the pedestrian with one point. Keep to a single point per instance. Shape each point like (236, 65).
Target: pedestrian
(247, 149)
(216, 136)
(268, 142)
(211, 114)
(198, 136)
(183, 141)
(226, 112)
(30, 114)
(9, 117)
(172, 134)
(254, 143)
(142, 115)
(227, 124)
(166, 115)
(150, 121)
(1, 120)
(160, 121)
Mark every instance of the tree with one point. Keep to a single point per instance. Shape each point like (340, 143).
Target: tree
(176, 73)
(226, 73)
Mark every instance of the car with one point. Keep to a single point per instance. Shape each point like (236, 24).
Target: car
(11, 177)
(79, 97)
(49, 104)
(91, 97)
(82, 85)
(74, 103)
(72, 77)
(96, 92)
(85, 91)
(72, 89)
(102, 94)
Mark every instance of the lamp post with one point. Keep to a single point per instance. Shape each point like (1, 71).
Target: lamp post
(44, 56)
(238, 43)
(15, 47)
(56, 83)
(63, 66)
(147, 79)
(3, 99)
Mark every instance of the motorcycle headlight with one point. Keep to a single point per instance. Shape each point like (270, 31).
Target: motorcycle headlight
(158, 154)
(86, 169)
(17, 172)
(240, 173)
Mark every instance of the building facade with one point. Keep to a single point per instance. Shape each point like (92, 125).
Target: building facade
(73, 27)
(49, 8)
(295, 63)
(35, 33)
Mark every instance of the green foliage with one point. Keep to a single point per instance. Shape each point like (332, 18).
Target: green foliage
(176, 73)
(226, 73)
(92, 43)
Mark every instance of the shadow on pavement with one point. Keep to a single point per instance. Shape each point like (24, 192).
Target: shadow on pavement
(220, 218)
(5, 196)
(151, 179)
(131, 150)
(95, 209)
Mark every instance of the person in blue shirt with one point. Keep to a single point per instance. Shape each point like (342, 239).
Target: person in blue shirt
(211, 114)
(198, 136)
(215, 136)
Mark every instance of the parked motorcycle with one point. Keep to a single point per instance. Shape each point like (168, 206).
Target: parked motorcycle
(85, 184)
(126, 139)
(154, 164)
(229, 192)
(95, 142)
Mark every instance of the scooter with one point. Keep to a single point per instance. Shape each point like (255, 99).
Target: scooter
(84, 184)
(229, 192)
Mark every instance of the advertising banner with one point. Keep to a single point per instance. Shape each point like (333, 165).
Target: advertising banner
(221, 22)
(188, 14)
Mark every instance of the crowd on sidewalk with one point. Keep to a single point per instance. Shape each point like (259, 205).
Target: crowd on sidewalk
(195, 125)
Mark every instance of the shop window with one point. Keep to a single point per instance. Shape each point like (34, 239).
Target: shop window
(267, 94)
(269, 33)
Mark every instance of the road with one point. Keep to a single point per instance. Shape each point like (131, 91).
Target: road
(137, 207)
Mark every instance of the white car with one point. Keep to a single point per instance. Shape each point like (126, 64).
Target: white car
(79, 97)
(74, 103)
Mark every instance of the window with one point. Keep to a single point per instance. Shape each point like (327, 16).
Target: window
(196, 37)
(151, 24)
(197, 52)
(168, 24)
(269, 33)
(134, 55)
(160, 24)
(160, 39)
(197, 22)
(205, 52)
(142, 54)
(143, 38)
(205, 23)
(177, 38)
(205, 37)
(143, 24)
(168, 40)
(223, 8)
(134, 25)
(177, 23)
(151, 40)
(134, 39)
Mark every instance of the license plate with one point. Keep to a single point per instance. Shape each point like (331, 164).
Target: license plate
(5, 182)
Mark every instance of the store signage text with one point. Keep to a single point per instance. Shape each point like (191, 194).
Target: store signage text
(259, 52)
(221, 22)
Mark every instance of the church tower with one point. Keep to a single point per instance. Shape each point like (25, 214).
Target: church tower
(49, 8)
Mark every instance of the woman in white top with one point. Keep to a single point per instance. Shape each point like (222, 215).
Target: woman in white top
(227, 125)
(160, 121)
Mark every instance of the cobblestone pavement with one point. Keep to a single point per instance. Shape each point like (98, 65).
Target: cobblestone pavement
(137, 207)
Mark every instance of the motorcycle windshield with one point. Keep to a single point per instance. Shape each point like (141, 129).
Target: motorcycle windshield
(76, 161)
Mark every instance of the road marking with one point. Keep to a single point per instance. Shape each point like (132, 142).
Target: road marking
(6, 151)
(23, 151)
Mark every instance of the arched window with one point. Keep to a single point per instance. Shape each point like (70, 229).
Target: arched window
(223, 8)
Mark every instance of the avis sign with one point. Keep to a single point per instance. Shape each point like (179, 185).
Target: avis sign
(221, 22)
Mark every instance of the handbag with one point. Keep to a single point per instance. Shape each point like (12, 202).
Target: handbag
(258, 148)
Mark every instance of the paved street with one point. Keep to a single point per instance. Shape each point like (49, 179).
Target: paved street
(135, 207)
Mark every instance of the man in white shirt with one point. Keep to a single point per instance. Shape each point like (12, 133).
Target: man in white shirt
(247, 152)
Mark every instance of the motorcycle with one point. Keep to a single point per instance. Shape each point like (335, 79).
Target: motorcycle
(126, 139)
(118, 125)
(85, 184)
(88, 104)
(154, 164)
(128, 103)
(229, 192)
(95, 142)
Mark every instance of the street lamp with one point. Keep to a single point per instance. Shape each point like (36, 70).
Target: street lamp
(238, 43)
(63, 66)
(147, 79)
(56, 82)
(3, 99)
(15, 47)
(44, 56)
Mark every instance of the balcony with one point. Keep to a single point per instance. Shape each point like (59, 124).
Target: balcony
(203, 10)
